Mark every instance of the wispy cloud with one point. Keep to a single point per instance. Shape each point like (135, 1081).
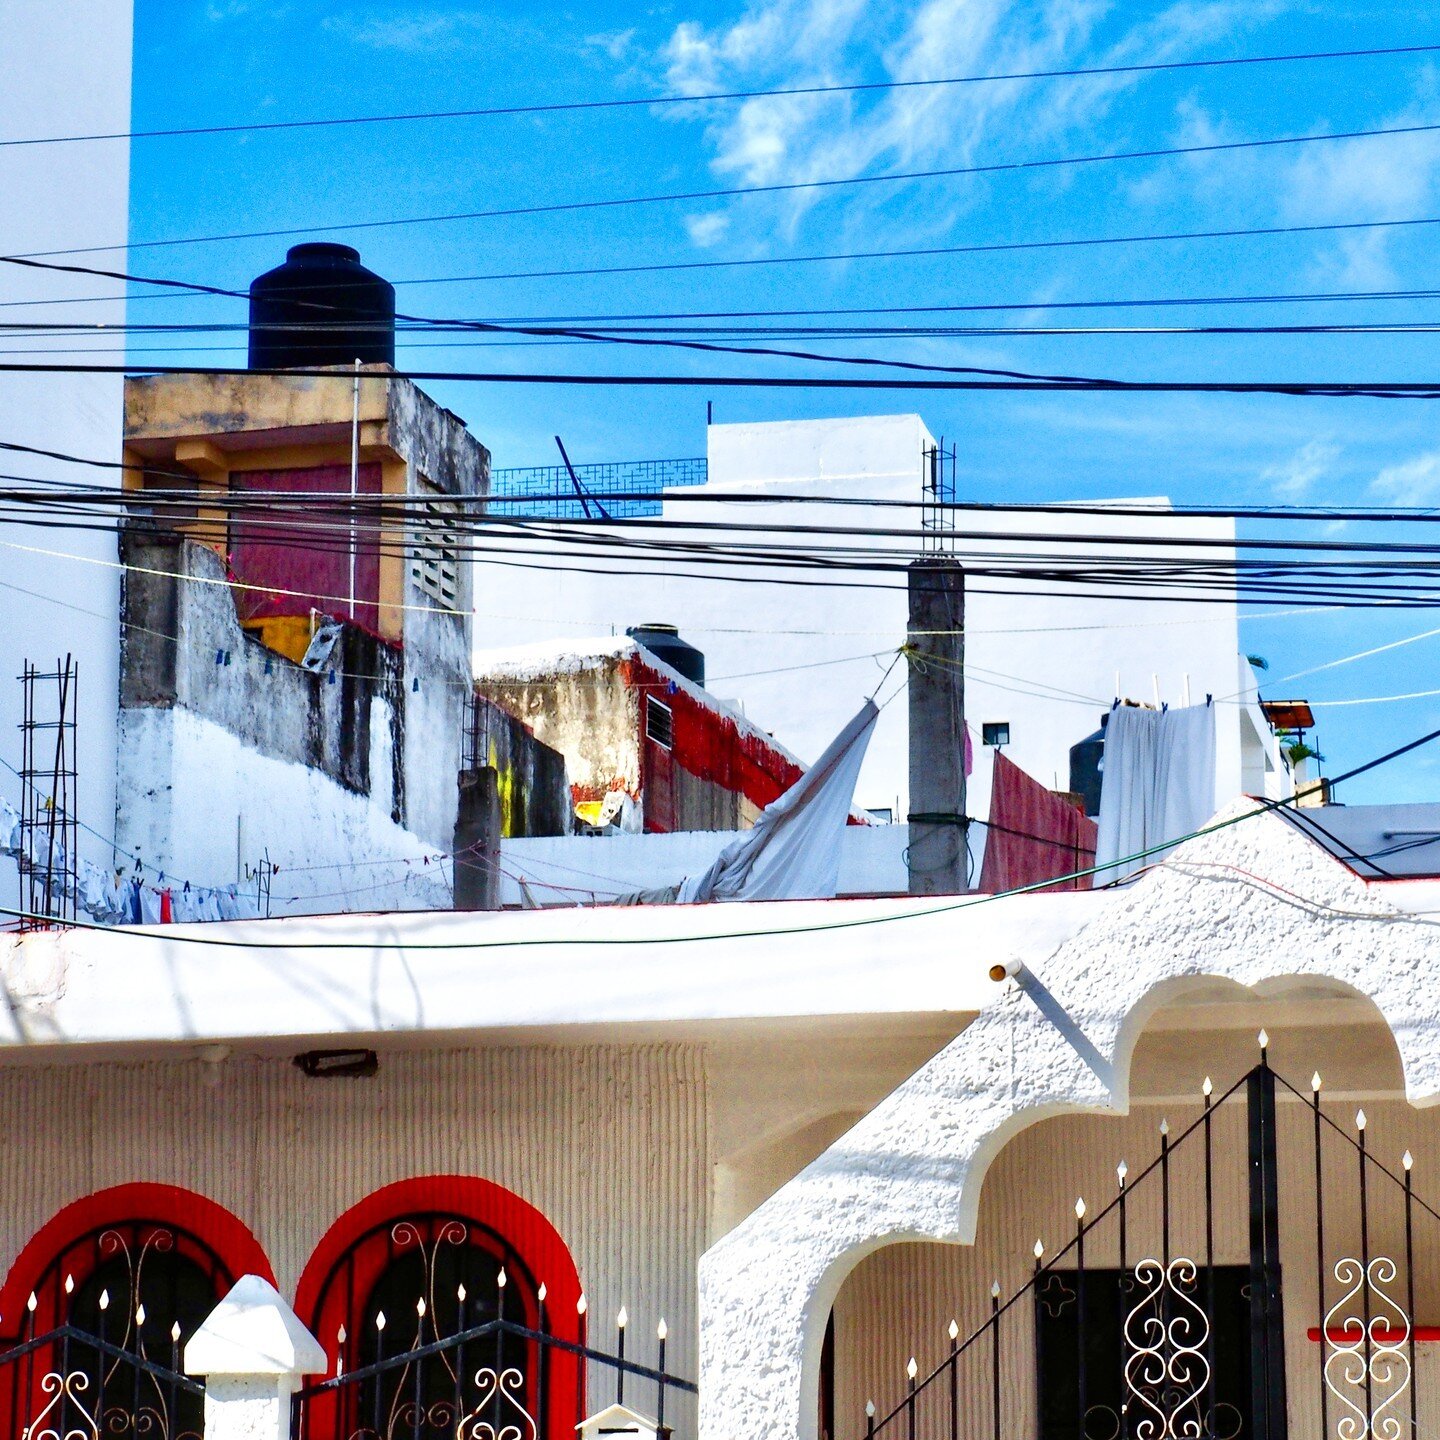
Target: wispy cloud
(1295, 476)
(415, 32)
(798, 43)
(1412, 482)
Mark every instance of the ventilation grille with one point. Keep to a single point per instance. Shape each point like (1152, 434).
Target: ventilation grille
(659, 723)
(435, 559)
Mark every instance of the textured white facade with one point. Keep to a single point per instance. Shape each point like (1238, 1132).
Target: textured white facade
(1058, 1039)
(66, 71)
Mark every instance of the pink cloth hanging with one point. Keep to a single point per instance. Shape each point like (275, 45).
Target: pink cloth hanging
(1034, 835)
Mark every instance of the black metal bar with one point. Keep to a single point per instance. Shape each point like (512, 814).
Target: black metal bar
(1082, 1396)
(583, 1330)
(1410, 1292)
(910, 1403)
(1208, 1427)
(377, 1367)
(659, 1385)
(954, 1381)
(460, 1298)
(995, 1313)
(137, 1362)
(1123, 1419)
(1365, 1272)
(1320, 1252)
(620, 1369)
(1267, 1336)
(175, 1370)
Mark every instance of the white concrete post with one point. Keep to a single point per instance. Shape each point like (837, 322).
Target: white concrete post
(252, 1353)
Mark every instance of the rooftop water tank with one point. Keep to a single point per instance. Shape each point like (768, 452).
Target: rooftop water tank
(664, 643)
(321, 307)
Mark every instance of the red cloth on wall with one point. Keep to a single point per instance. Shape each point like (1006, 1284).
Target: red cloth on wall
(1033, 834)
(282, 553)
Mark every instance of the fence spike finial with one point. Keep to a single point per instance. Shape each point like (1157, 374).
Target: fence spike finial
(1208, 1088)
(502, 1279)
(1315, 1082)
(341, 1336)
(32, 1302)
(662, 1330)
(461, 1292)
(1407, 1160)
(1359, 1119)
(1264, 1038)
(1039, 1249)
(1121, 1171)
(541, 1293)
(912, 1369)
(582, 1304)
(69, 1284)
(140, 1313)
(623, 1318)
(105, 1299)
(175, 1333)
(1080, 1208)
(1164, 1127)
(379, 1319)
(869, 1409)
(420, 1307)
(994, 1289)
(954, 1331)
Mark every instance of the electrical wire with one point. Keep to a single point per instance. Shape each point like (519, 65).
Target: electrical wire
(774, 188)
(714, 97)
(996, 247)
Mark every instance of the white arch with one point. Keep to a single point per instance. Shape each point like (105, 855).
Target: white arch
(1058, 1041)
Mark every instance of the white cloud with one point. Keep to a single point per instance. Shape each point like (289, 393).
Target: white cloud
(707, 230)
(619, 45)
(800, 43)
(415, 33)
(1412, 482)
(1296, 475)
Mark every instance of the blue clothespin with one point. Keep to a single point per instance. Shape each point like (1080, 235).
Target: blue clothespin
(219, 657)
(415, 685)
(332, 677)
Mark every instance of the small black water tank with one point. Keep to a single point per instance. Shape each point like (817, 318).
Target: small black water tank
(664, 642)
(1087, 766)
(325, 285)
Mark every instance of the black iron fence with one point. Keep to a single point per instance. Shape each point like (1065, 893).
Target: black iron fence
(500, 1380)
(1163, 1341)
(69, 1384)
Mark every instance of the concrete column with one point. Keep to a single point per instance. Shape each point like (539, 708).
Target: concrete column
(937, 858)
(477, 840)
(253, 1354)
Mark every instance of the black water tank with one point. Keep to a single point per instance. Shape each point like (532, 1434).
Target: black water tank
(1087, 767)
(664, 642)
(321, 285)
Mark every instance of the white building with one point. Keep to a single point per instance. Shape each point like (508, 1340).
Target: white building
(67, 71)
(799, 651)
(758, 1124)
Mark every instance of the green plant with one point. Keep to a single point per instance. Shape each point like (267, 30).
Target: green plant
(1297, 751)
(1258, 661)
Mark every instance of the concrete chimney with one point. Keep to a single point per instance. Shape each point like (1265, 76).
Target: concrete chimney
(938, 831)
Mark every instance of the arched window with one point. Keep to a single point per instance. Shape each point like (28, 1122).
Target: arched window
(414, 1267)
(137, 1269)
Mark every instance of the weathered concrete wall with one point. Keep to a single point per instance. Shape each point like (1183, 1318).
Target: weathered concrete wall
(531, 776)
(584, 708)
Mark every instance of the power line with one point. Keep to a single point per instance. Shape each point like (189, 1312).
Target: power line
(1372, 389)
(978, 249)
(711, 97)
(774, 188)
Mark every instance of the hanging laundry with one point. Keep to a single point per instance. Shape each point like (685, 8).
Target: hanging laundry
(1033, 835)
(1158, 784)
(137, 902)
(793, 850)
(167, 912)
(149, 906)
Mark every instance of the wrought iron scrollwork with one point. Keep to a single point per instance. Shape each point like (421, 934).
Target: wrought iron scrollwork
(1367, 1367)
(509, 1386)
(1166, 1373)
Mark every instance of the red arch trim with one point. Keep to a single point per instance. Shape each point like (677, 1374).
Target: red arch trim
(525, 1227)
(226, 1235)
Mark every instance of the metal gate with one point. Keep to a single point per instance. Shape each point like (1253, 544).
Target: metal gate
(1171, 1344)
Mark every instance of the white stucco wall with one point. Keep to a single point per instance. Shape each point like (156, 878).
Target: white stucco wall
(799, 657)
(1058, 1039)
(66, 70)
(201, 805)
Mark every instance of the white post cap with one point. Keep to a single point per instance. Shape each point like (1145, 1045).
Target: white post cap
(252, 1331)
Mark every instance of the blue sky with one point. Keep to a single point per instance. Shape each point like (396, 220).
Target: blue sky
(218, 61)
